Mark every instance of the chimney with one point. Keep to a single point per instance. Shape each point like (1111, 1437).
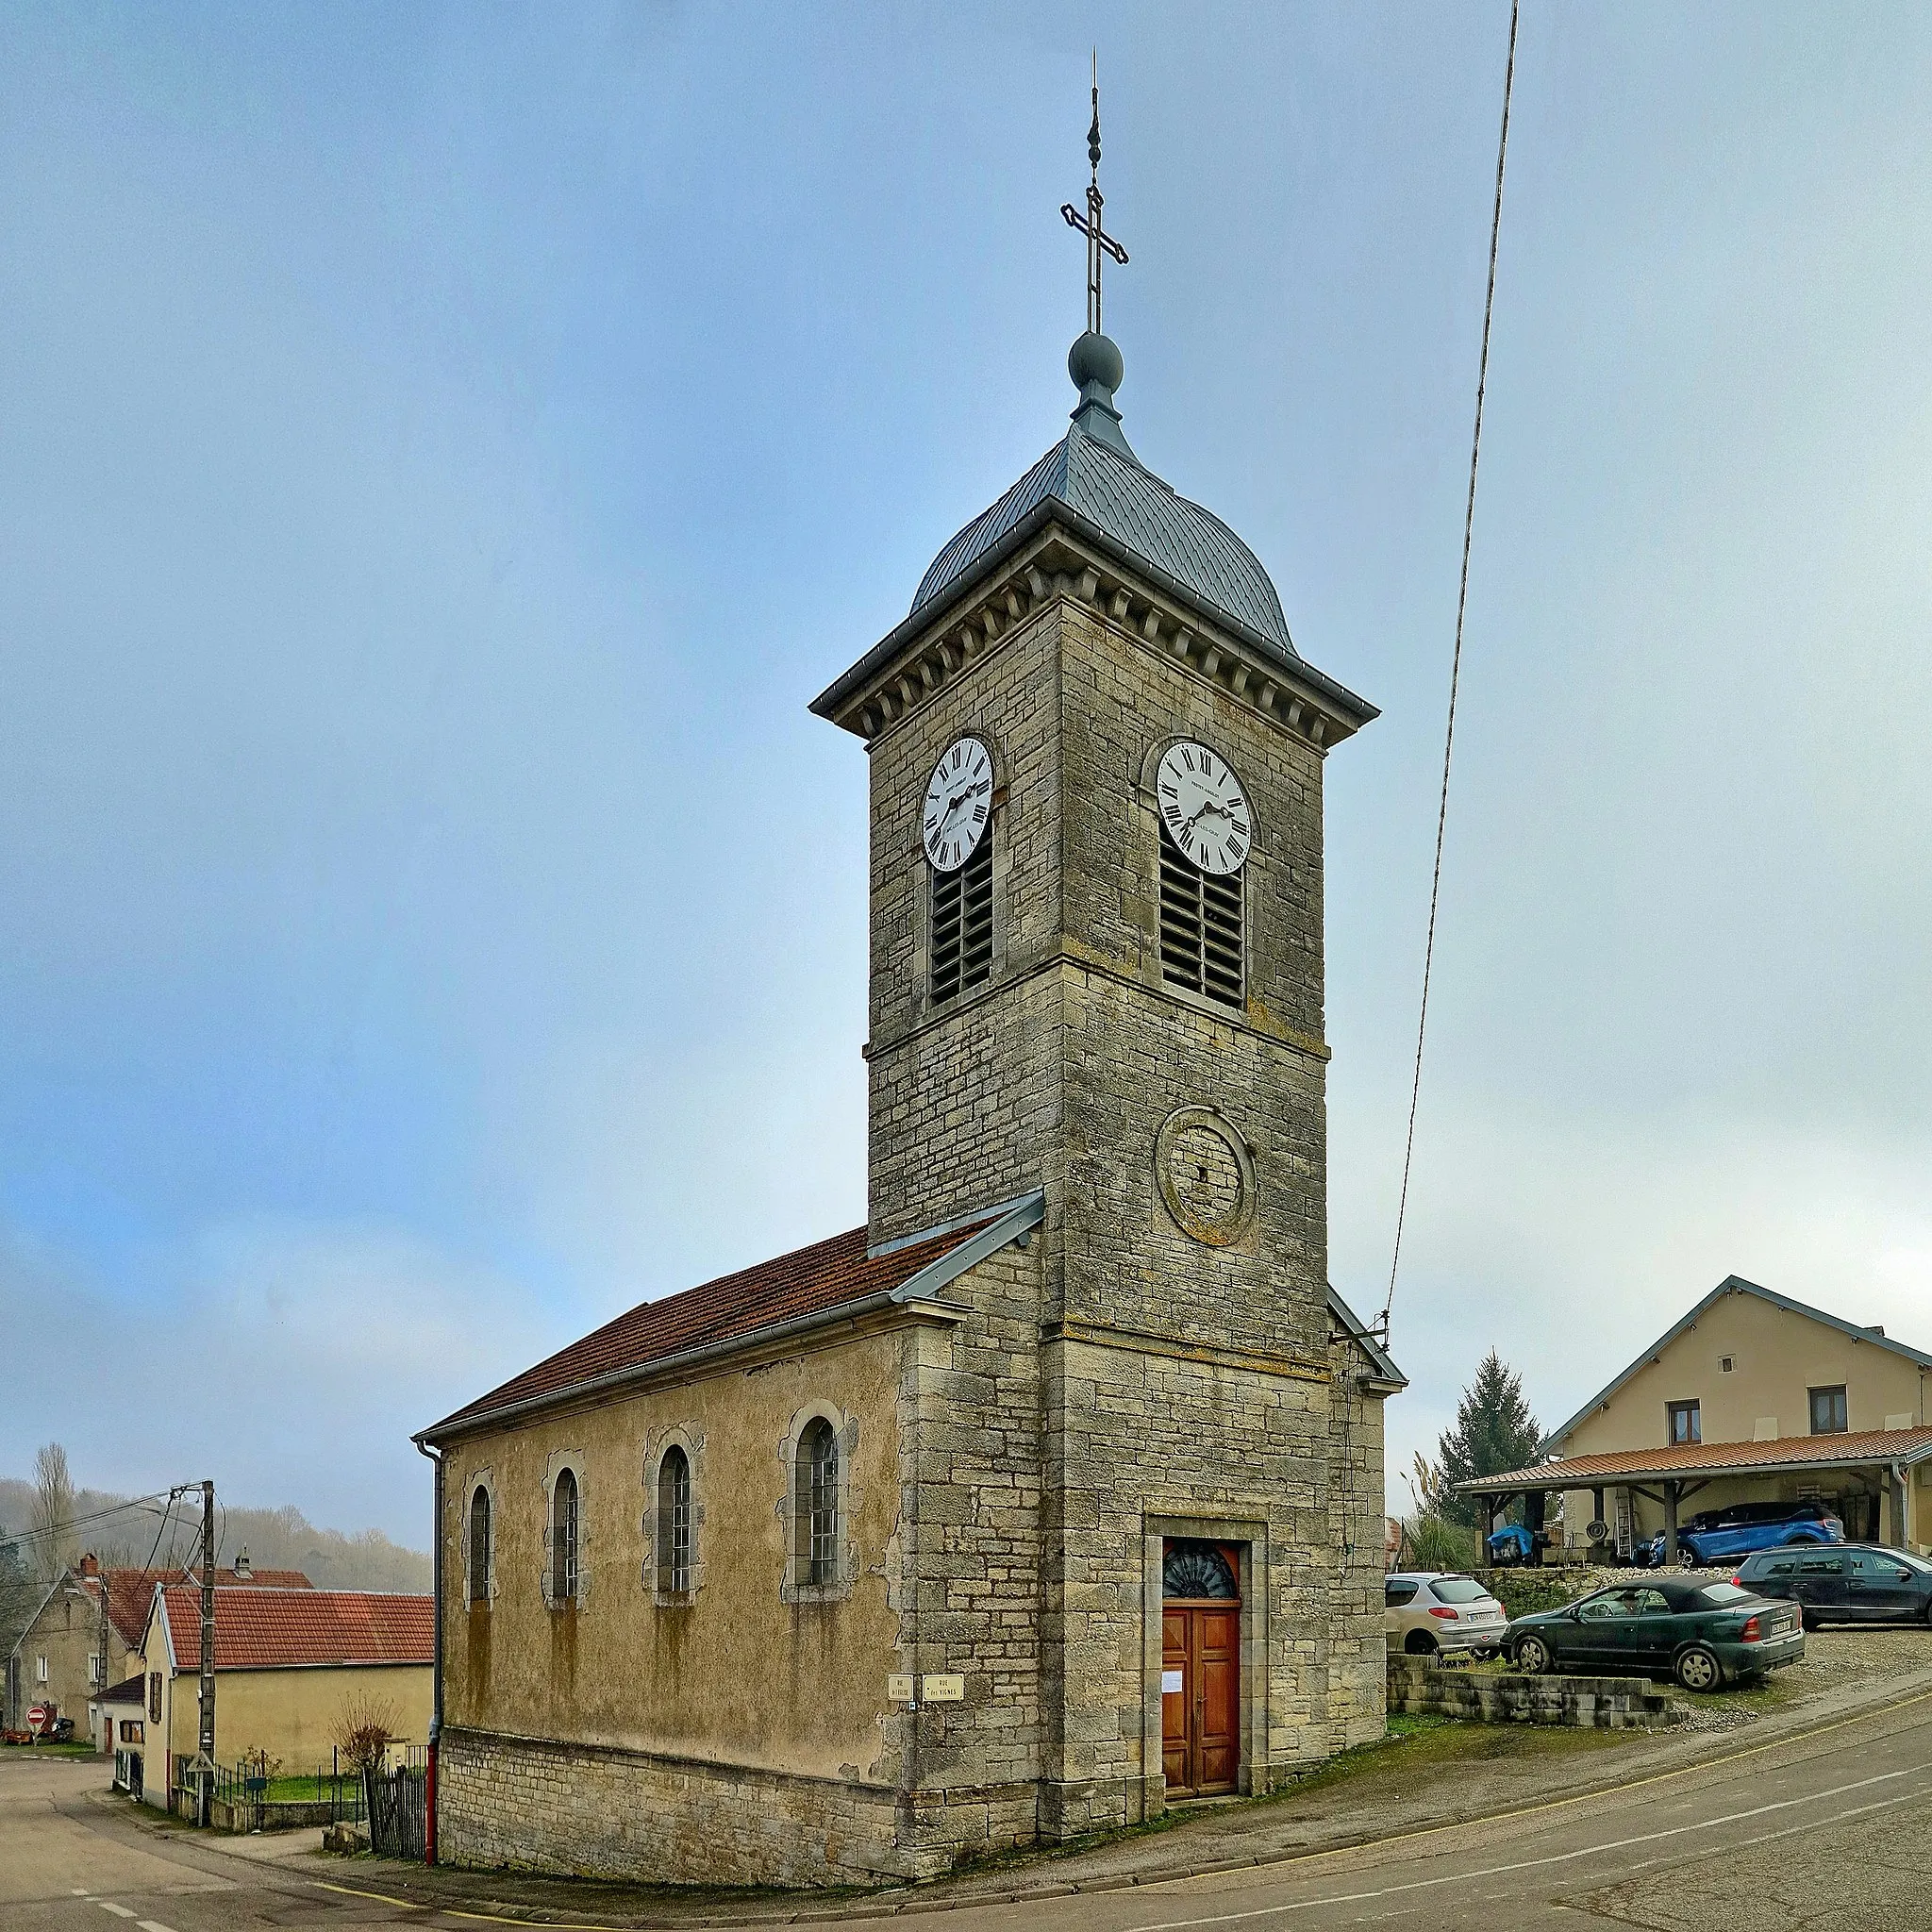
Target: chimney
(244, 1574)
(90, 1565)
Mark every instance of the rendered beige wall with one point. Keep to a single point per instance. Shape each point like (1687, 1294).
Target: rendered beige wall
(290, 1713)
(738, 1674)
(1778, 1357)
(294, 1714)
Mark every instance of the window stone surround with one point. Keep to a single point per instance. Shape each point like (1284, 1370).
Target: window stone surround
(794, 1589)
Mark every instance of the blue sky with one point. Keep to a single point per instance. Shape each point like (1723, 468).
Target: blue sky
(442, 449)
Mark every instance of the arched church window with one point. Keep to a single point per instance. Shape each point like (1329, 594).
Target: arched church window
(1197, 1571)
(673, 1522)
(1200, 926)
(563, 1538)
(818, 1503)
(962, 924)
(479, 1545)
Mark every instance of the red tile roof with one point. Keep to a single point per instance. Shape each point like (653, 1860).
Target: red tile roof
(805, 1282)
(131, 1592)
(278, 1629)
(1700, 1459)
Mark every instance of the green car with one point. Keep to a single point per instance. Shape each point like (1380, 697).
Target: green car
(1705, 1635)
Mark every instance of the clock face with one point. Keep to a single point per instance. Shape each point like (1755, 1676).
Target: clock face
(1204, 808)
(958, 804)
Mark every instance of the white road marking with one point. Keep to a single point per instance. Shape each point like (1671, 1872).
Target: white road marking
(1349, 1898)
(154, 1925)
(108, 1904)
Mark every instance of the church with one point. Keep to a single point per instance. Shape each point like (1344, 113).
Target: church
(1052, 1496)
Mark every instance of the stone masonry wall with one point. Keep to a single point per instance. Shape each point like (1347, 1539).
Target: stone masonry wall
(551, 1805)
(964, 1097)
(971, 1536)
(1177, 1383)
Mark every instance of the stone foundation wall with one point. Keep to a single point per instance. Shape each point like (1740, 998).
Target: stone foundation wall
(1500, 1698)
(534, 1805)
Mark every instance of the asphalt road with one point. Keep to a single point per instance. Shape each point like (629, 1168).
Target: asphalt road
(1834, 1830)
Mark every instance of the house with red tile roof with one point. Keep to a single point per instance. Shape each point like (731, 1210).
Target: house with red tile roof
(1749, 1399)
(1052, 1495)
(290, 1665)
(57, 1657)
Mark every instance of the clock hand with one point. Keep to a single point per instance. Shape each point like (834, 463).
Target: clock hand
(959, 798)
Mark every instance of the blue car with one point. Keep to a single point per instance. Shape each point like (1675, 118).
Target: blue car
(1717, 1535)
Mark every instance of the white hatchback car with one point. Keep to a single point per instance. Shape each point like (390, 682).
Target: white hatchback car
(1434, 1612)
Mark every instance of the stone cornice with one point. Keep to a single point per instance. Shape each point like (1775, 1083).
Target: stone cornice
(1177, 1348)
(1070, 952)
(1055, 555)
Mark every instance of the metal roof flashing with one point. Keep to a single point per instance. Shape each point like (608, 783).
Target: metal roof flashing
(1387, 1377)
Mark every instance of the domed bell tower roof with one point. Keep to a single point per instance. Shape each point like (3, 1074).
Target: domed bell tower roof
(1094, 472)
(1108, 504)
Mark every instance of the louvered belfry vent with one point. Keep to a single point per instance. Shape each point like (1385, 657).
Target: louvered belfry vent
(1200, 927)
(962, 924)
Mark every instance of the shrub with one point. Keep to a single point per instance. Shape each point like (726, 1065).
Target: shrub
(1430, 1543)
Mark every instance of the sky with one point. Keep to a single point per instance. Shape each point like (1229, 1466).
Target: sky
(442, 449)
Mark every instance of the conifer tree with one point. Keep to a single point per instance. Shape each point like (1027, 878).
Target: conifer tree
(1494, 1431)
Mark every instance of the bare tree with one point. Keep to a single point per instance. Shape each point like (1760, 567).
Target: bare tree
(365, 1727)
(53, 1516)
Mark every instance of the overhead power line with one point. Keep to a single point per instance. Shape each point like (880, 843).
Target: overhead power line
(1476, 445)
(74, 1523)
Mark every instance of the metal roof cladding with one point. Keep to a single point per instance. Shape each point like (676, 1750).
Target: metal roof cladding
(1093, 472)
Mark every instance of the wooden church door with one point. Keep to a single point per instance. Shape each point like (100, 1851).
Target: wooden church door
(1200, 1669)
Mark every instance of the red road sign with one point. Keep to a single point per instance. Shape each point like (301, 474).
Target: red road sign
(40, 1719)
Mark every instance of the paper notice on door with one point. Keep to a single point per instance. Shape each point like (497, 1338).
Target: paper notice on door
(1170, 1680)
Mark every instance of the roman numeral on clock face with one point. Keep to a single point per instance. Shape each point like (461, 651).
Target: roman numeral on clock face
(1204, 809)
(957, 803)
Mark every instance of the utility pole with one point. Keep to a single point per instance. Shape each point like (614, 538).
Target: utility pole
(101, 1687)
(206, 1761)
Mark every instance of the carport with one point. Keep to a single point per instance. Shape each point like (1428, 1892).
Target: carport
(1671, 1477)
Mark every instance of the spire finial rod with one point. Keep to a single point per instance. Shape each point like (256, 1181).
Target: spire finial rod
(1099, 243)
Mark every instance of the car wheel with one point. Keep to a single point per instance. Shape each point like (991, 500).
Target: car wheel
(1699, 1670)
(1419, 1643)
(1533, 1656)
(1806, 1621)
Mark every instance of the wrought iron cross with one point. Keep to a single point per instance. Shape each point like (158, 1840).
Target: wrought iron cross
(1099, 242)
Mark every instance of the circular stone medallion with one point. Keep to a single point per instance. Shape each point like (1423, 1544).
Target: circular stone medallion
(1206, 1177)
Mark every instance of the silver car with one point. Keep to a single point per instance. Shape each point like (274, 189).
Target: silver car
(1437, 1613)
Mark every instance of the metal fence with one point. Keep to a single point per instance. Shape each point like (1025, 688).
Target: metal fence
(271, 1794)
(399, 1810)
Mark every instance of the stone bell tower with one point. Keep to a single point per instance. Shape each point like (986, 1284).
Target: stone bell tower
(1096, 971)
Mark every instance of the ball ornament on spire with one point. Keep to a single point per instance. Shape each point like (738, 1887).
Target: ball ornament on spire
(1094, 360)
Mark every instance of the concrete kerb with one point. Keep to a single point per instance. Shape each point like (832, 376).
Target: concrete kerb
(1683, 1754)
